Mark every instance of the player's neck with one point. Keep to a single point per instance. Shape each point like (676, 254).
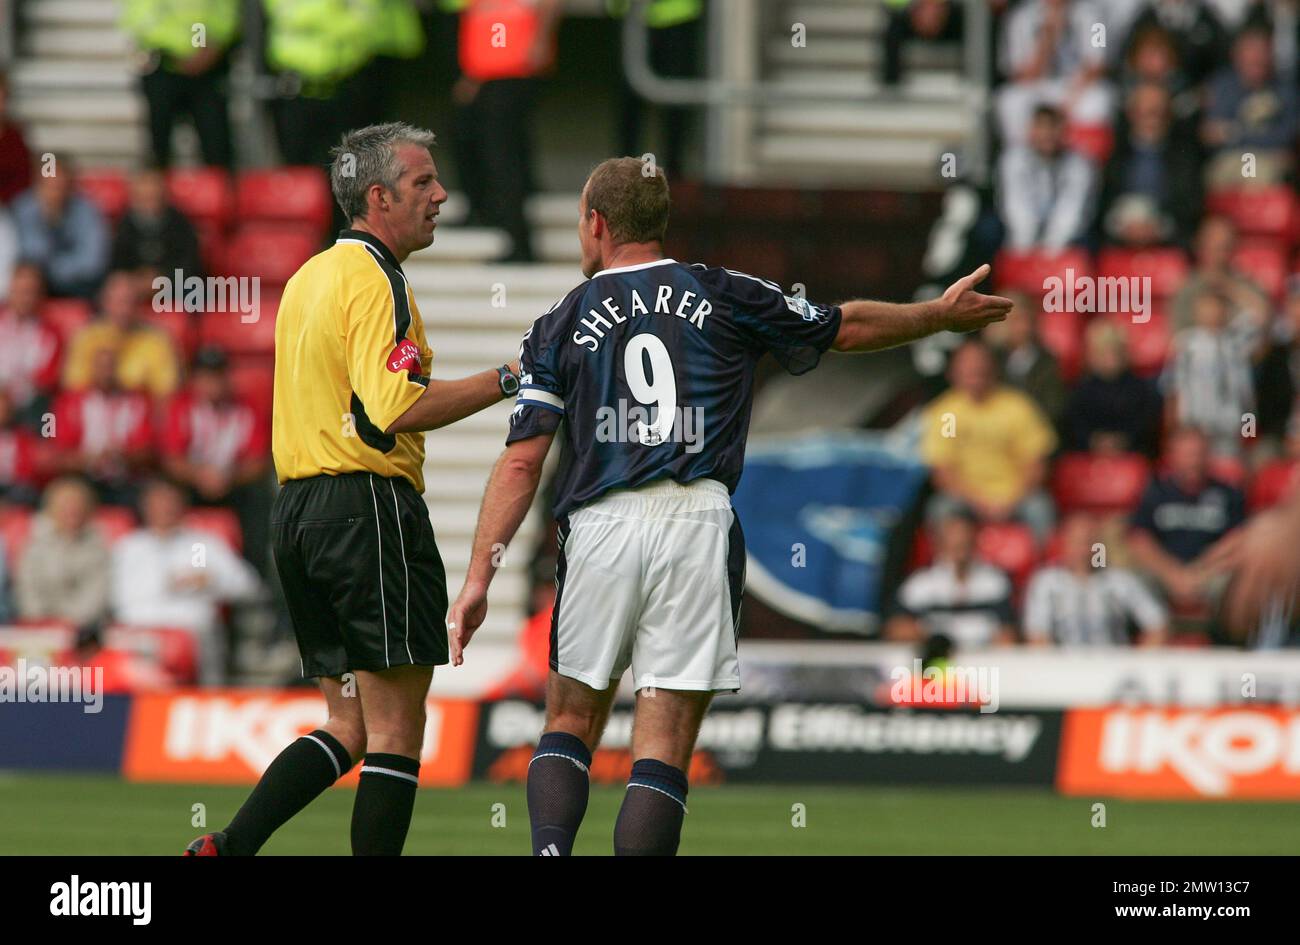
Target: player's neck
(633, 254)
(383, 236)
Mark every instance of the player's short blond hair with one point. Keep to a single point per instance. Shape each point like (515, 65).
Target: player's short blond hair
(632, 195)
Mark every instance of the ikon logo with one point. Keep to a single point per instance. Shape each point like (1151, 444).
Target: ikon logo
(232, 736)
(404, 357)
(1182, 753)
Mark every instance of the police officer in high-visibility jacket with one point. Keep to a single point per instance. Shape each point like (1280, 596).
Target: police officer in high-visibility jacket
(317, 50)
(674, 53)
(185, 46)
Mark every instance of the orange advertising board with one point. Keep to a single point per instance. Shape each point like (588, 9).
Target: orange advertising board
(1238, 752)
(230, 736)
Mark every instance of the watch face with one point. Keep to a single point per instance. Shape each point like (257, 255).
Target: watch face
(509, 384)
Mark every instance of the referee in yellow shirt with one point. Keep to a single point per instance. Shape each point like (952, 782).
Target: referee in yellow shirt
(353, 545)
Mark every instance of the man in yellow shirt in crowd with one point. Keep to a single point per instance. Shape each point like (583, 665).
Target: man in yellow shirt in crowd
(987, 444)
(146, 359)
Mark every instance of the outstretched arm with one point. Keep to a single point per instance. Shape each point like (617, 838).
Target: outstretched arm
(873, 326)
(506, 501)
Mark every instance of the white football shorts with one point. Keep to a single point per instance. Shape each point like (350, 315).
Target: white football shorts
(651, 578)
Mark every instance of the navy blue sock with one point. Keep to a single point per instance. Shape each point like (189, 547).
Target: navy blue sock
(650, 820)
(558, 787)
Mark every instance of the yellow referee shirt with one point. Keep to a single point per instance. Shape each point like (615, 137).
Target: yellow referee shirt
(350, 358)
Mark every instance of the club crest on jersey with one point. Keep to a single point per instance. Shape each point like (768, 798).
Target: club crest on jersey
(405, 357)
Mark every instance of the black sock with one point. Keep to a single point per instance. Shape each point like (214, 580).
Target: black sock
(650, 820)
(293, 780)
(557, 792)
(381, 814)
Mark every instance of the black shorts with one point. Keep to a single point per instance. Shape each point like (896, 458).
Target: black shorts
(361, 573)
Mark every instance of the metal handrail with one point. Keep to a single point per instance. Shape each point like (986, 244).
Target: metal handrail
(721, 92)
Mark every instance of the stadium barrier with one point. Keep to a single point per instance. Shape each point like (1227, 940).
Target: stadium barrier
(1140, 751)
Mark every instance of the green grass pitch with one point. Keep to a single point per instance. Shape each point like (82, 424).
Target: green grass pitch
(84, 815)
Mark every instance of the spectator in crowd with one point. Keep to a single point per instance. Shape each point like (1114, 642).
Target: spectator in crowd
(8, 250)
(1152, 59)
(1197, 34)
(65, 566)
(1048, 55)
(1184, 534)
(934, 21)
(496, 97)
(144, 355)
(17, 456)
(15, 159)
(1208, 380)
(674, 28)
(1111, 409)
(30, 350)
(1216, 241)
(317, 51)
(1025, 364)
(184, 74)
(218, 446)
(1083, 601)
(1277, 373)
(1281, 20)
(1250, 109)
(959, 596)
(104, 432)
(62, 232)
(988, 445)
(1045, 191)
(153, 237)
(6, 596)
(1151, 191)
(166, 574)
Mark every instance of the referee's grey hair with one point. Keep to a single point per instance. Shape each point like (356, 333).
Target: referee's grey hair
(368, 156)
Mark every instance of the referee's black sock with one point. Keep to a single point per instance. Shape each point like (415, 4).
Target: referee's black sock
(294, 779)
(650, 820)
(557, 792)
(381, 814)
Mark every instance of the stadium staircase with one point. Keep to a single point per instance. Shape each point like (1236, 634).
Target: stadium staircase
(75, 91)
(881, 139)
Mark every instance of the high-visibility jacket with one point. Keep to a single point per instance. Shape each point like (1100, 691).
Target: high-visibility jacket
(400, 34)
(168, 26)
(323, 41)
(496, 37)
(661, 14)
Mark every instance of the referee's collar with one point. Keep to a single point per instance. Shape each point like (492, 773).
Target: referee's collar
(373, 241)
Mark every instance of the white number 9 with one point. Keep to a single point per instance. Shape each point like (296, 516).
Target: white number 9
(661, 392)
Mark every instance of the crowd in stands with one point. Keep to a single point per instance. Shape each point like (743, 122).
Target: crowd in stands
(1105, 448)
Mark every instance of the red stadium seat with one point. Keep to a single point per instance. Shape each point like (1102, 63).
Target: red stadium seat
(66, 316)
(1148, 342)
(1095, 142)
(1264, 260)
(204, 194)
(229, 331)
(1028, 271)
(107, 189)
(253, 378)
(1062, 334)
(1099, 483)
(1258, 211)
(286, 194)
(1274, 481)
(220, 522)
(114, 521)
(1010, 546)
(269, 251)
(1166, 266)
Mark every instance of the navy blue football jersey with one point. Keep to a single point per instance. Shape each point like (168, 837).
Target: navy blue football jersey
(651, 368)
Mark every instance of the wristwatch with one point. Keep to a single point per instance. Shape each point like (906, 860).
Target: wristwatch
(508, 382)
